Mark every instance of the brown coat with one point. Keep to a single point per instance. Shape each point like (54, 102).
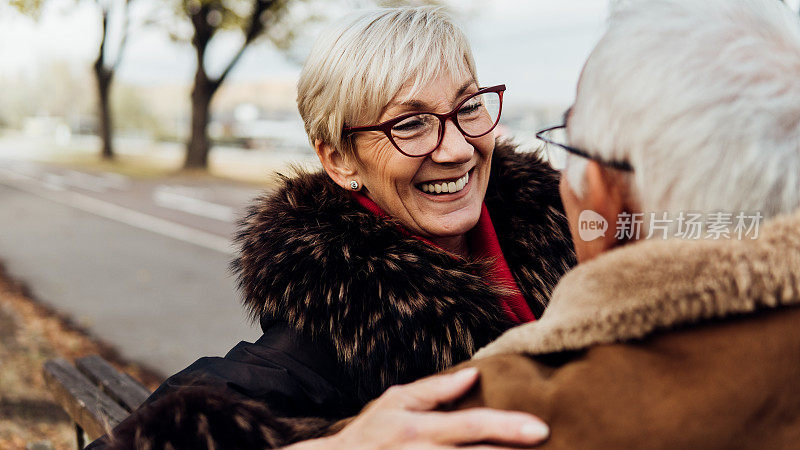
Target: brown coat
(663, 344)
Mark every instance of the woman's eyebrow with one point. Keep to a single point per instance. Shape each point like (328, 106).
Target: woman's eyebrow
(463, 88)
(420, 105)
(410, 104)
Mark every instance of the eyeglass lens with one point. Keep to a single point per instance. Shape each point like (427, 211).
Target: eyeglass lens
(556, 155)
(419, 134)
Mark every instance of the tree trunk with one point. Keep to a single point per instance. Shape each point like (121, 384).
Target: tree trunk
(203, 91)
(199, 144)
(204, 87)
(104, 78)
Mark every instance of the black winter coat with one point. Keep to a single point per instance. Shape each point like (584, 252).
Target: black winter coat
(350, 305)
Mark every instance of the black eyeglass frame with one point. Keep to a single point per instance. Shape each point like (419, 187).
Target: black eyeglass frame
(619, 165)
(386, 126)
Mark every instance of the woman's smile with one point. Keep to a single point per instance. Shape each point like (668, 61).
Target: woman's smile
(445, 188)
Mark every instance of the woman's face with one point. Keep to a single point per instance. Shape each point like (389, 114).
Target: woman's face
(396, 182)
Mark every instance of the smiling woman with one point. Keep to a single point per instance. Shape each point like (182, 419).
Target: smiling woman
(421, 241)
(421, 177)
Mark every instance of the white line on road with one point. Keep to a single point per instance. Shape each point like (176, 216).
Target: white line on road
(169, 197)
(123, 215)
(52, 181)
(49, 180)
(117, 181)
(84, 181)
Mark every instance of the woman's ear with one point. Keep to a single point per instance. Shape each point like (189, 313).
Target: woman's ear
(342, 170)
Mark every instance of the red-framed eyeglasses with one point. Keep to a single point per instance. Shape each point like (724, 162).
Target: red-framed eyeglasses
(418, 134)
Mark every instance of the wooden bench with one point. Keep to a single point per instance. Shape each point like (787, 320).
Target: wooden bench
(95, 395)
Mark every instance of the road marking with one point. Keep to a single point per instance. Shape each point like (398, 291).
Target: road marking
(59, 179)
(25, 168)
(95, 183)
(169, 197)
(52, 181)
(122, 214)
(117, 181)
(84, 181)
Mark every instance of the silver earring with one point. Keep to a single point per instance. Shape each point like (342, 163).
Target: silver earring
(354, 185)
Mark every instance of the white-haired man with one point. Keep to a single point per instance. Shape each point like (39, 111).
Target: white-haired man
(679, 328)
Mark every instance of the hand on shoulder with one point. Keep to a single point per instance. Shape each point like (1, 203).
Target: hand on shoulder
(404, 418)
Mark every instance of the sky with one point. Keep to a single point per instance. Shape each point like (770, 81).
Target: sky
(535, 47)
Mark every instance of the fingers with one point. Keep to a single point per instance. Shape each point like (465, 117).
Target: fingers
(481, 425)
(418, 446)
(427, 393)
(402, 417)
(482, 447)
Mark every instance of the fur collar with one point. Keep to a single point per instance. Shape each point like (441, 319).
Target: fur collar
(636, 290)
(390, 307)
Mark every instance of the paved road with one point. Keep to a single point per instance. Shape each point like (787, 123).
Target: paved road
(140, 263)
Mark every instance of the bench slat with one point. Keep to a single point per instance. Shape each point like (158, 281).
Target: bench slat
(88, 406)
(119, 386)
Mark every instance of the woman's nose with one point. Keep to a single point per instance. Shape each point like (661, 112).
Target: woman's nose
(454, 147)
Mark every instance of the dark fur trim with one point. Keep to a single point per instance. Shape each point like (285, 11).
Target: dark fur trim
(527, 214)
(200, 418)
(391, 307)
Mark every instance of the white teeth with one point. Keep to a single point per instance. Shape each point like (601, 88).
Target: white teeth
(444, 188)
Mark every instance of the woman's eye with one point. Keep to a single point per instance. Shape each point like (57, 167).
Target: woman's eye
(413, 127)
(408, 125)
(470, 108)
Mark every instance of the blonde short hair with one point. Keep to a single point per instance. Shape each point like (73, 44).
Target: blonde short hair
(357, 67)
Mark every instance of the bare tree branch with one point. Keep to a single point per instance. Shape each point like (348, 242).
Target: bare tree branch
(254, 29)
(126, 31)
(100, 61)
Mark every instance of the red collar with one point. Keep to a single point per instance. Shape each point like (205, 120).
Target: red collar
(483, 244)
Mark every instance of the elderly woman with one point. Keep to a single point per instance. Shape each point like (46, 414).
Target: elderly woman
(422, 240)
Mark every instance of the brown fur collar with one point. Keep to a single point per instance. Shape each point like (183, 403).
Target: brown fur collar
(635, 290)
(391, 308)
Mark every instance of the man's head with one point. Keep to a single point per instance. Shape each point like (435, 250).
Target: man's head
(702, 99)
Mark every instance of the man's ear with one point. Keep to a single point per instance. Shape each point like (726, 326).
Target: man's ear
(341, 169)
(602, 192)
(606, 196)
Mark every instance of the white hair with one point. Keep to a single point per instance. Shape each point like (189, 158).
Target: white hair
(702, 98)
(357, 67)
